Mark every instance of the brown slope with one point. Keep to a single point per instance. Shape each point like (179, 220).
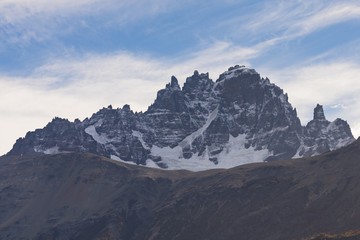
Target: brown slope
(351, 235)
(83, 196)
(76, 196)
(281, 200)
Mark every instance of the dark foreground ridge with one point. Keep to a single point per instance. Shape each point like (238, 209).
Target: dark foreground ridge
(85, 196)
(351, 235)
(203, 125)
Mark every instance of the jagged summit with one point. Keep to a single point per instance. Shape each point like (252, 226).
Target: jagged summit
(237, 71)
(170, 98)
(319, 113)
(126, 107)
(174, 83)
(240, 118)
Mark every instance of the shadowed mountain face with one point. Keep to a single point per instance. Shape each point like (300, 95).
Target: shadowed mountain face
(240, 118)
(84, 196)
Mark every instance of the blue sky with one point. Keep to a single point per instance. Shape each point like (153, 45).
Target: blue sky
(70, 58)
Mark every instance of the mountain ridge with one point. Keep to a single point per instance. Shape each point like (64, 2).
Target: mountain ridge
(203, 125)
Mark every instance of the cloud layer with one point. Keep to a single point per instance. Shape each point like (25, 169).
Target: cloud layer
(73, 84)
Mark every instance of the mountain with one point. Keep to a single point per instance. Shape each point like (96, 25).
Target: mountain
(240, 118)
(86, 196)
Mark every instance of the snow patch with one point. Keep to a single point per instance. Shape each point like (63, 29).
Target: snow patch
(139, 136)
(189, 139)
(150, 163)
(116, 158)
(91, 130)
(53, 150)
(233, 154)
(237, 71)
(302, 148)
(342, 143)
(173, 158)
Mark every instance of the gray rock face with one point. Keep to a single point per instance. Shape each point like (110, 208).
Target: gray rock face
(240, 118)
(321, 135)
(319, 113)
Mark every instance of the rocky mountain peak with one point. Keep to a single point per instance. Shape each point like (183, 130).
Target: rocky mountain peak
(241, 118)
(171, 98)
(202, 75)
(239, 72)
(197, 85)
(319, 113)
(174, 85)
(126, 107)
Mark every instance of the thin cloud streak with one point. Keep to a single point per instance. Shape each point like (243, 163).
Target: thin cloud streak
(53, 18)
(288, 20)
(16, 11)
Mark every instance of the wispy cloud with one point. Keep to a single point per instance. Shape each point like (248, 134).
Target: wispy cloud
(287, 20)
(332, 14)
(123, 69)
(15, 11)
(23, 21)
(339, 106)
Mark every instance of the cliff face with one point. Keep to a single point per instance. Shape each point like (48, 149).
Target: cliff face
(240, 118)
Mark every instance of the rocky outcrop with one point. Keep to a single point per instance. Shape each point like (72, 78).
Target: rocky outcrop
(321, 135)
(239, 118)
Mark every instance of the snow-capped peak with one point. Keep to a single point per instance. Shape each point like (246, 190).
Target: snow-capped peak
(239, 119)
(237, 71)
